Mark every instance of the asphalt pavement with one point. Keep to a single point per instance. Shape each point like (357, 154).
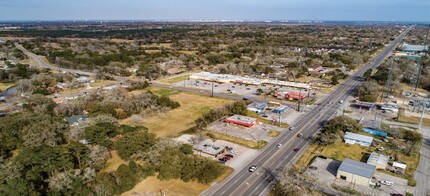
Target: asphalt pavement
(271, 157)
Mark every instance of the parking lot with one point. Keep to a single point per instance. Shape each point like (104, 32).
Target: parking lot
(254, 133)
(241, 154)
(239, 89)
(325, 171)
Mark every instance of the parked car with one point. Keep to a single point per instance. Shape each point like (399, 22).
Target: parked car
(312, 167)
(385, 182)
(229, 155)
(380, 149)
(234, 152)
(245, 99)
(253, 168)
(296, 149)
(227, 158)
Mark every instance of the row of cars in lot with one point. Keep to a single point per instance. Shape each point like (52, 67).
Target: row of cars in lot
(228, 155)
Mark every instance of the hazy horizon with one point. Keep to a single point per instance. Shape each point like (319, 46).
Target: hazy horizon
(330, 10)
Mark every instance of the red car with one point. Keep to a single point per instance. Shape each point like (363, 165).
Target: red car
(296, 149)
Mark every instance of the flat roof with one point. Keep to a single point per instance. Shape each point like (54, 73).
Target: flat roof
(357, 168)
(359, 137)
(208, 147)
(399, 165)
(228, 78)
(377, 158)
(258, 105)
(241, 118)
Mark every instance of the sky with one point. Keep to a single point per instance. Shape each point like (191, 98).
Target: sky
(342, 10)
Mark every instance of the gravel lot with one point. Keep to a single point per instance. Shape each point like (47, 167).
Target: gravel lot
(254, 133)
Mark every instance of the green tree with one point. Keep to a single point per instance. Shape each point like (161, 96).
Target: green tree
(133, 142)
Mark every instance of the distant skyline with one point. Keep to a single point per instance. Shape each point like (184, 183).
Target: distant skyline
(357, 10)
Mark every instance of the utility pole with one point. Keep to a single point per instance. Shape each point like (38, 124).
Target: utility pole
(422, 116)
(212, 89)
(300, 100)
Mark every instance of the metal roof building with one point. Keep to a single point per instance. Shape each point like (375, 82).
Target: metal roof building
(413, 48)
(257, 106)
(378, 160)
(353, 138)
(241, 120)
(355, 172)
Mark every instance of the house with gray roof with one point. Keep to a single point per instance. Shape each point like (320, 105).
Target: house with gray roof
(353, 138)
(75, 119)
(356, 172)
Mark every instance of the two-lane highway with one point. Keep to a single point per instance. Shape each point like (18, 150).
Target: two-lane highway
(271, 157)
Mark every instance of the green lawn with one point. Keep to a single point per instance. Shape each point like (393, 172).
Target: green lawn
(176, 79)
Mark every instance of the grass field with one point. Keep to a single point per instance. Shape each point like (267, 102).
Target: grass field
(412, 120)
(174, 79)
(338, 151)
(240, 141)
(188, 51)
(102, 83)
(180, 119)
(152, 51)
(154, 186)
(263, 120)
(4, 86)
(114, 162)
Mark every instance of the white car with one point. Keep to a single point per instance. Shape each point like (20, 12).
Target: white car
(234, 152)
(341, 101)
(388, 183)
(279, 145)
(253, 168)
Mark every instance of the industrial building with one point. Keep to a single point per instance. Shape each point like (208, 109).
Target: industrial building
(378, 160)
(257, 107)
(356, 172)
(390, 107)
(241, 120)
(227, 78)
(353, 138)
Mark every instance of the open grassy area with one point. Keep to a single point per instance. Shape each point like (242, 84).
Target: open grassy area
(160, 91)
(152, 51)
(338, 151)
(102, 83)
(175, 79)
(180, 119)
(188, 51)
(4, 86)
(154, 186)
(412, 120)
(240, 141)
(114, 162)
(274, 133)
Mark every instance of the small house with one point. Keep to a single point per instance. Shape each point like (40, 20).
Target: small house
(353, 138)
(75, 120)
(241, 120)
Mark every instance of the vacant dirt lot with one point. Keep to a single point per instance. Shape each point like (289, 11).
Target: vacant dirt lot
(175, 121)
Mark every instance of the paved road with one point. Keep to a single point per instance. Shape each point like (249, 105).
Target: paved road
(271, 157)
(423, 171)
(43, 64)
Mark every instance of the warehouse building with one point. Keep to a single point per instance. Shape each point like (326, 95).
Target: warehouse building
(378, 160)
(413, 48)
(280, 109)
(241, 120)
(257, 107)
(356, 172)
(353, 138)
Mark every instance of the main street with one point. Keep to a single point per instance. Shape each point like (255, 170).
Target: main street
(271, 157)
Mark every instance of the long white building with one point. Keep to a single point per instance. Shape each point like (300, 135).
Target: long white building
(227, 78)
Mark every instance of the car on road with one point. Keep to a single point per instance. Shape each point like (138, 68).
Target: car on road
(253, 168)
(296, 149)
(290, 128)
(385, 182)
(279, 145)
(341, 101)
(299, 135)
(245, 99)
